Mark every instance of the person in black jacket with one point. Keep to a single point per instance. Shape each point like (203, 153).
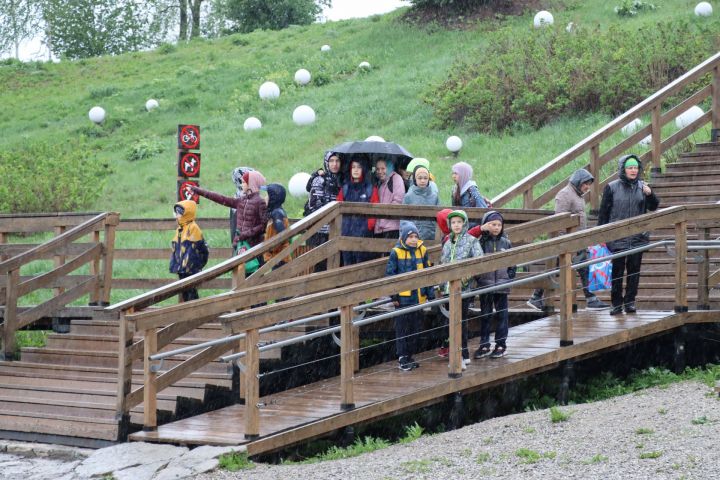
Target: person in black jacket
(623, 198)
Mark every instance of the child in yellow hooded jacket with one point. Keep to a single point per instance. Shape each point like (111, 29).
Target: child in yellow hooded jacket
(189, 251)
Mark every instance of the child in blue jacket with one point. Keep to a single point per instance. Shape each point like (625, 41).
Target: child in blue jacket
(408, 255)
(190, 252)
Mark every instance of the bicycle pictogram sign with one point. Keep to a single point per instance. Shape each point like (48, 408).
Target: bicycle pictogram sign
(188, 164)
(189, 137)
(184, 192)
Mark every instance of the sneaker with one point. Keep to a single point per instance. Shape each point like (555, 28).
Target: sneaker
(413, 362)
(616, 311)
(594, 303)
(536, 304)
(466, 361)
(498, 352)
(630, 307)
(464, 365)
(481, 352)
(404, 364)
(443, 352)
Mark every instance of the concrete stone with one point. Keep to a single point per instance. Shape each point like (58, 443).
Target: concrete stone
(196, 461)
(46, 469)
(126, 455)
(141, 472)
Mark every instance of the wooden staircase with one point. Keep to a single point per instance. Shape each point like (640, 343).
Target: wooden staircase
(692, 179)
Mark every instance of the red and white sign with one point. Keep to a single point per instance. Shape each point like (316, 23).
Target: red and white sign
(188, 164)
(184, 192)
(189, 137)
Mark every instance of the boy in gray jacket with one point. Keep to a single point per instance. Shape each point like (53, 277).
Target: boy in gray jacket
(570, 199)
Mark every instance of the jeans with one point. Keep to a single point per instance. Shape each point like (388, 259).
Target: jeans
(631, 263)
(407, 326)
(500, 302)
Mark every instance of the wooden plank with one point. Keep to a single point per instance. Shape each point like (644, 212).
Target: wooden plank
(150, 384)
(33, 314)
(95, 269)
(107, 260)
(10, 320)
(346, 357)
(455, 329)
(252, 386)
(58, 260)
(681, 299)
(124, 369)
(566, 299)
(45, 280)
(14, 249)
(716, 97)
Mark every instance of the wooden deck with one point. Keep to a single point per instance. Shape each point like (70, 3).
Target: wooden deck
(311, 411)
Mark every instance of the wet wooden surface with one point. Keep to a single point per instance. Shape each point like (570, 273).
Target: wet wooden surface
(313, 410)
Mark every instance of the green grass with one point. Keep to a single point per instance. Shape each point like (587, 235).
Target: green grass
(647, 455)
(557, 415)
(644, 431)
(531, 456)
(214, 83)
(31, 338)
(700, 420)
(235, 461)
(598, 458)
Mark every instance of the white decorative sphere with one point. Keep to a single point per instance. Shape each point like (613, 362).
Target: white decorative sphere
(374, 138)
(632, 127)
(269, 91)
(325, 48)
(688, 116)
(645, 142)
(454, 143)
(302, 77)
(97, 114)
(543, 18)
(703, 9)
(252, 123)
(364, 66)
(303, 115)
(297, 184)
(151, 104)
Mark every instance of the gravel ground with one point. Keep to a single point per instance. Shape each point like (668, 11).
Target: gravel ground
(671, 432)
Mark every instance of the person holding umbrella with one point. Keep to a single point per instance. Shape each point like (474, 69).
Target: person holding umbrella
(357, 188)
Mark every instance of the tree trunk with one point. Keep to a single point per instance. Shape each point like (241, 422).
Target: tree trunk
(195, 9)
(183, 21)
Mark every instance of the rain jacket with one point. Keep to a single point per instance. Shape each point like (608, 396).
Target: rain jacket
(405, 259)
(468, 194)
(362, 191)
(251, 211)
(570, 198)
(236, 175)
(388, 196)
(323, 188)
(493, 244)
(461, 246)
(423, 196)
(189, 250)
(623, 198)
(277, 219)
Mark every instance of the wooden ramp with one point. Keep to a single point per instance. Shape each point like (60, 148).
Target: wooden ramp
(311, 411)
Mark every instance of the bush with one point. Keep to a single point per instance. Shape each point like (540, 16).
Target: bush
(145, 148)
(50, 178)
(533, 78)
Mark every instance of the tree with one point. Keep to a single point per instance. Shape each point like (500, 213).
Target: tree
(248, 15)
(19, 20)
(88, 28)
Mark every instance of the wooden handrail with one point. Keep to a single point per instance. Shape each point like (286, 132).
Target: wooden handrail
(711, 65)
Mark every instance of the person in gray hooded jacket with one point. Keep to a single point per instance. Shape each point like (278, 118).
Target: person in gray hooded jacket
(626, 197)
(570, 199)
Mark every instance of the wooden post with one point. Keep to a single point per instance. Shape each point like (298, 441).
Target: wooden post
(108, 255)
(566, 299)
(10, 321)
(550, 289)
(95, 271)
(335, 231)
(238, 276)
(455, 307)
(252, 384)
(150, 390)
(681, 301)
(347, 358)
(58, 260)
(124, 383)
(716, 98)
(356, 349)
(528, 197)
(656, 138)
(3, 240)
(241, 347)
(703, 292)
(595, 172)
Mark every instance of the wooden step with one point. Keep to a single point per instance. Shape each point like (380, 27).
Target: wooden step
(53, 424)
(705, 174)
(708, 147)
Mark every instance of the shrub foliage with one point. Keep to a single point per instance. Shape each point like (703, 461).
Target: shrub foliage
(533, 78)
(49, 178)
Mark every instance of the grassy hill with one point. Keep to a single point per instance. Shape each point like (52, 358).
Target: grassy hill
(215, 84)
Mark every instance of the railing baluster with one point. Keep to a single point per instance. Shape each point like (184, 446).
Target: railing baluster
(703, 292)
(111, 224)
(455, 329)
(656, 138)
(716, 98)
(150, 391)
(681, 281)
(347, 357)
(566, 299)
(58, 260)
(10, 321)
(595, 172)
(252, 385)
(124, 383)
(95, 270)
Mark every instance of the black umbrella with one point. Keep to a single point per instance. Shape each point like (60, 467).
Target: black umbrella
(376, 150)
